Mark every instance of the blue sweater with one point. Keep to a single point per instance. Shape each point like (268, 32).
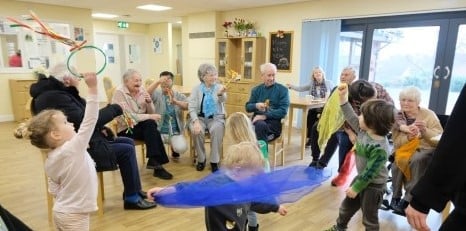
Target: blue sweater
(279, 100)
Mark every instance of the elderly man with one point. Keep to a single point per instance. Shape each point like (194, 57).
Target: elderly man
(269, 102)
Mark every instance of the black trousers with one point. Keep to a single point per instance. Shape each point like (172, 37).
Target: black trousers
(268, 129)
(147, 131)
(123, 147)
(312, 118)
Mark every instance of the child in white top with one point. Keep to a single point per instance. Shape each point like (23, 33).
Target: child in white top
(71, 171)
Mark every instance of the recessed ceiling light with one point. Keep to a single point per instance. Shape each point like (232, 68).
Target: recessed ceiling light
(179, 22)
(154, 7)
(103, 15)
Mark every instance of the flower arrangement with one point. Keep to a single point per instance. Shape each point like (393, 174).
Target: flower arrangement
(280, 34)
(239, 24)
(227, 25)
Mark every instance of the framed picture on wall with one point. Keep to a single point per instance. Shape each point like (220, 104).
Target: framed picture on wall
(281, 46)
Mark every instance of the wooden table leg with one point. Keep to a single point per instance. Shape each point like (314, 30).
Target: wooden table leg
(290, 123)
(303, 133)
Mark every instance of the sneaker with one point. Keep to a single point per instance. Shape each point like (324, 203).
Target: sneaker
(151, 163)
(162, 173)
(175, 155)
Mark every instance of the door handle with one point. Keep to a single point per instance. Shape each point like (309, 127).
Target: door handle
(435, 72)
(447, 68)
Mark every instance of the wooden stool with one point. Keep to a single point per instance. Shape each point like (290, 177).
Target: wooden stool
(278, 147)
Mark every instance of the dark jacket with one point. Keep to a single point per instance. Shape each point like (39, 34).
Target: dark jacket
(49, 93)
(234, 216)
(445, 178)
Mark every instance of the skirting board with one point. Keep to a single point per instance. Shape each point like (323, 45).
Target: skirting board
(7, 118)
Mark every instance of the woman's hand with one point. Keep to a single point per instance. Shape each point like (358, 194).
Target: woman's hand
(343, 92)
(421, 125)
(147, 97)
(155, 117)
(196, 127)
(222, 90)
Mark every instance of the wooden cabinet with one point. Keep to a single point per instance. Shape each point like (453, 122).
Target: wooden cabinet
(19, 89)
(243, 55)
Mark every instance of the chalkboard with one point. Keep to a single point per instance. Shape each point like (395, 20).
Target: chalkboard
(281, 45)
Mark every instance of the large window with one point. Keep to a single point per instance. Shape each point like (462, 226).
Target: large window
(425, 50)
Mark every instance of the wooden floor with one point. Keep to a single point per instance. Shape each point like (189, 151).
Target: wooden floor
(22, 192)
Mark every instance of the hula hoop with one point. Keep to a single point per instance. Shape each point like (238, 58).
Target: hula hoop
(87, 47)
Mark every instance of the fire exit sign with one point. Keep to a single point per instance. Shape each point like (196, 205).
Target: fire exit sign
(123, 24)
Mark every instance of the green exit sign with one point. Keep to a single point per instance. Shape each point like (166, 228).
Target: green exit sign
(122, 24)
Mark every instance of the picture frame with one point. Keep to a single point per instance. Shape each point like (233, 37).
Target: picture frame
(281, 47)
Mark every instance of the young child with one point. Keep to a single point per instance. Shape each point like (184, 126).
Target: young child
(239, 129)
(241, 161)
(71, 171)
(366, 191)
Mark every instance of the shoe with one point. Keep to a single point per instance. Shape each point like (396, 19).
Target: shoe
(399, 209)
(394, 202)
(161, 173)
(141, 193)
(308, 143)
(335, 228)
(140, 205)
(313, 163)
(151, 163)
(214, 167)
(253, 228)
(175, 155)
(385, 205)
(200, 166)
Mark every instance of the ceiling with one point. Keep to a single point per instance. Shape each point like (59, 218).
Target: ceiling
(127, 11)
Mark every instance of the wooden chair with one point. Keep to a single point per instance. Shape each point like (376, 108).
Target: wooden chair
(278, 147)
(114, 126)
(109, 88)
(100, 192)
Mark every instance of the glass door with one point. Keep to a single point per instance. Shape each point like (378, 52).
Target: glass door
(221, 57)
(423, 50)
(450, 78)
(248, 60)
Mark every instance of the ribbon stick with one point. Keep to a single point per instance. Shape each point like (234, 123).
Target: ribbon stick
(234, 76)
(47, 31)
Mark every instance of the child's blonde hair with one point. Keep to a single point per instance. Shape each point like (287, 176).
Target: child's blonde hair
(244, 155)
(239, 128)
(38, 128)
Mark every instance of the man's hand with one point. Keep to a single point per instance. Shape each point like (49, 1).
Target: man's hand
(259, 117)
(261, 106)
(196, 127)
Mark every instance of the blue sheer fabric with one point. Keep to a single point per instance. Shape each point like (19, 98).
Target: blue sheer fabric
(281, 186)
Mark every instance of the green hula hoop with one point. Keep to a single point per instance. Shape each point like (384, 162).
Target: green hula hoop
(87, 47)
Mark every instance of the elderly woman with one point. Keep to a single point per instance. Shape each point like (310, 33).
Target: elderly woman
(412, 122)
(207, 111)
(170, 104)
(320, 88)
(139, 121)
(60, 91)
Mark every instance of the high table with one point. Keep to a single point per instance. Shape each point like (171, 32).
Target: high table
(305, 104)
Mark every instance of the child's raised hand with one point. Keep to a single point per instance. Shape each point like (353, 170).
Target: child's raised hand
(351, 193)
(282, 210)
(90, 79)
(343, 92)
